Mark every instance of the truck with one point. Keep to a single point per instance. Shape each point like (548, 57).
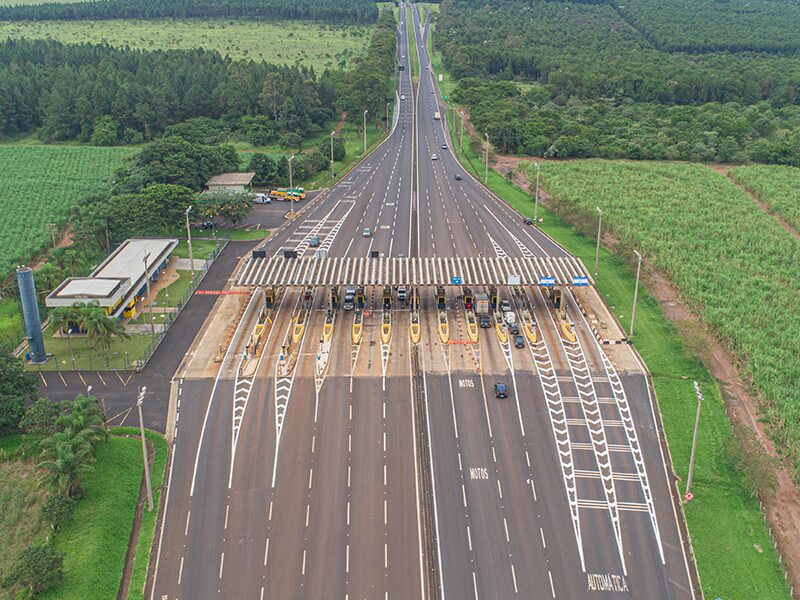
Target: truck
(436, 116)
(481, 304)
(287, 194)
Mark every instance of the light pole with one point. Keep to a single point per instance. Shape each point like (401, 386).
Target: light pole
(149, 300)
(486, 172)
(597, 248)
(333, 174)
(189, 240)
(699, 395)
(636, 289)
(365, 132)
(536, 197)
(291, 188)
(387, 116)
(139, 401)
(88, 391)
(461, 133)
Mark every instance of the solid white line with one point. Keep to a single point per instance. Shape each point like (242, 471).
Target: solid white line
(303, 572)
(416, 472)
(180, 572)
(308, 512)
(505, 526)
(310, 476)
(266, 552)
(161, 533)
(227, 510)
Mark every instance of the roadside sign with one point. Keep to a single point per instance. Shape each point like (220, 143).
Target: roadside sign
(689, 496)
(580, 281)
(456, 280)
(547, 281)
(513, 280)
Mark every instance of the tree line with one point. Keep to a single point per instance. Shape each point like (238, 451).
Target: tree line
(331, 11)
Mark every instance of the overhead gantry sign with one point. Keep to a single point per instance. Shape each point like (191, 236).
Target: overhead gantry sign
(311, 271)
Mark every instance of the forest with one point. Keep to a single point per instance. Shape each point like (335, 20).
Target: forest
(107, 96)
(332, 11)
(572, 62)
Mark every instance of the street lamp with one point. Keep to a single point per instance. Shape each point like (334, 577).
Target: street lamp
(365, 132)
(387, 116)
(536, 197)
(149, 300)
(189, 238)
(291, 188)
(88, 391)
(461, 133)
(597, 248)
(636, 289)
(332, 172)
(699, 395)
(486, 172)
(139, 401)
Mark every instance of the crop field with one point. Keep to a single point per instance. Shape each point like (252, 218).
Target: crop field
(732, 262)
(287, 42)
(776, 186)
(39, 185)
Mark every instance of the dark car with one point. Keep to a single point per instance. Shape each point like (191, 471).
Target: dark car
(513, 328)
(458, 176)
(209, 224)
(528, 221)
(500, 390)
(505, 306)
(486, 321)
(519, 341)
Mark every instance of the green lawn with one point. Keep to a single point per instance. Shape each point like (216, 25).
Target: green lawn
(286, 42)
(174, 292)
(147, 530)
(734, 552)
(87, 358)
(201, 249)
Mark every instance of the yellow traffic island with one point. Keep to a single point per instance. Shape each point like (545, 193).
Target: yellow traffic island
(500, 328)
(414, 329)
(327, 329)
(444, 327)
(530, 331)
(568, 330)
(297, 333)
(472, 326)
(386, 327)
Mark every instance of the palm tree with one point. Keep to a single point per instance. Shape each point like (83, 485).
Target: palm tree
(70, 461)
(92, 319)
(62, 316)
(112, 327)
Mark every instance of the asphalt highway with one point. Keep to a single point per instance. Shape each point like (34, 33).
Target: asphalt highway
(373, 468)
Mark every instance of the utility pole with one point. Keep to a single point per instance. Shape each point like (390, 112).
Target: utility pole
(52, 227)
(387, 116)
(365, 132)
(597, 248)
(699, 395)
(536, 196)
(139, 401)
(486, 172)
(333, 174)
(461, 133)
(149, 300)
(636, 289)
(189, 240)
(291, 188)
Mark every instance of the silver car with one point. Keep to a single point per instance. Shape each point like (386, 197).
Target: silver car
(367, 232)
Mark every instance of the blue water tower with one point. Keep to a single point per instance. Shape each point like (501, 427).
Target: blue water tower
(30, 311)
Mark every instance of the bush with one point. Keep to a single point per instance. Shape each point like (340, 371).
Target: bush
(38, 568)
(290, 141)
(339, 151)
(58, 510)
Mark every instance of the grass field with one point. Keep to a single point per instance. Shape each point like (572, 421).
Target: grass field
(201, 249)
(734, 553)
(287, 42)
(776, 186)
(121, 355)
(11, 329)
(40, 184)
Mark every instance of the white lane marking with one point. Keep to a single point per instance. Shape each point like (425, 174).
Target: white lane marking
(227, 510)
(514, 577)
(188, 516)
(544, 544)
(180, 572)
(266, 552)
(552, 589)
(221, 564)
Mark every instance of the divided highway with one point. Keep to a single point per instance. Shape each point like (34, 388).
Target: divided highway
(334, 465)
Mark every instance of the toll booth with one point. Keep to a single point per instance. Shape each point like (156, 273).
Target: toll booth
(387, 297)
(493, 297)
(468, 298)
(269, 297)
(360, 296)
(441, 299)
(334, 298)
(555, 297)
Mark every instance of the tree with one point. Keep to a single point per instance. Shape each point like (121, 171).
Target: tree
(265, 169)
(63, 318)
(37, 569)
(105, 133)
(233, 206)
(339, 151)
(290, 140)
(170, 202)
(40, 419)
(58, 511)
(16, 387)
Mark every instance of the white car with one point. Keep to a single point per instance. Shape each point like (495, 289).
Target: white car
(367, 232)
(402, 97)
(434, 157)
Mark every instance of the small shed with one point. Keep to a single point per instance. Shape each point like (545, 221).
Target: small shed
(230, 182)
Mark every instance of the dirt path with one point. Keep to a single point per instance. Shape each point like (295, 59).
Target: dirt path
(64, 240)
(341, 122)
(782, 507)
